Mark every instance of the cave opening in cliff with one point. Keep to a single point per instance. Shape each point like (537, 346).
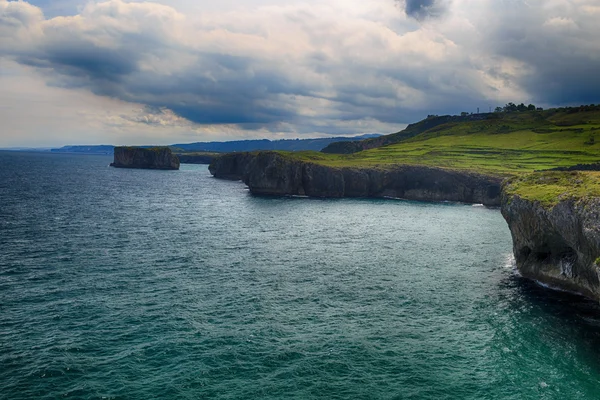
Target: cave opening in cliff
(556, 253)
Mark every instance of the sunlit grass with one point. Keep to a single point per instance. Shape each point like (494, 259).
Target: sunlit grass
(549, 188)
(513, 144)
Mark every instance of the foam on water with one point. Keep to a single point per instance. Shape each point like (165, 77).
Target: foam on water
(556, 288)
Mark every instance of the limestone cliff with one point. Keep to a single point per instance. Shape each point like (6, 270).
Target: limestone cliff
(554, 217)
(556, 243)
(231, 166)
(276, 174)
(147, 158)
(197, 158)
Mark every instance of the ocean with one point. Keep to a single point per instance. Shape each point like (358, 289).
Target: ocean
(140, 284)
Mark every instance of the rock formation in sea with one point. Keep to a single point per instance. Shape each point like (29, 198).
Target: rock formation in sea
(273, 173)
(146, 158)
(556, 244)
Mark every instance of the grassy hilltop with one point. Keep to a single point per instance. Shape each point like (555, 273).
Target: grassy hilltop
(506, 144)
(550, 187)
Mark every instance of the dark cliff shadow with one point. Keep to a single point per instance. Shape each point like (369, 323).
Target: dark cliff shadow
(372, 200)
(572, 316)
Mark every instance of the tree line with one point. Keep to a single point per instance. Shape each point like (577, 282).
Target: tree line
(512, 107)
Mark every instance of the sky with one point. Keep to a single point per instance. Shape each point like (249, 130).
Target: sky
(163, 72)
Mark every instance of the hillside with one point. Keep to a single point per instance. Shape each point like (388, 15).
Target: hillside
(495, 143)
(412, 130)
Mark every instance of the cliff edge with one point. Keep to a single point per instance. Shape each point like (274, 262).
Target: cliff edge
(146, 158)
(554, 217)
(273, 173)
(197, 157)
(554, 220)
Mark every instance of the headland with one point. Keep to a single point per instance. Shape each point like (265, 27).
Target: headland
(554, 217)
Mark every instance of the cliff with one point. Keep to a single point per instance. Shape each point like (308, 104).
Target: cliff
(554, 219)
(273, 173)
(197, 158)
(146, 158)
(231, 166)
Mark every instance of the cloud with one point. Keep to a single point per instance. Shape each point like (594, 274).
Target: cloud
(554, 44)
(422, 9)
(230, 69)
(309, 68)
(20, 25)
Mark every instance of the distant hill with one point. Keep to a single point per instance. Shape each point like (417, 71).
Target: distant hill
(265, 144)
(25, 149)
(100, 149)
(231, 146)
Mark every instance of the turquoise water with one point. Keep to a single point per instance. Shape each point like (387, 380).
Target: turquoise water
(134, 284)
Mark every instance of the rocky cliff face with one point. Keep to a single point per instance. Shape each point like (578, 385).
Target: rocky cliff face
(196, 158)
(556, 245)
(138, 157)
(231, 166)
(275, 174)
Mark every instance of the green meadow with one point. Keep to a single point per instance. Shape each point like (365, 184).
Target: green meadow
(550, 187)
(504, 144)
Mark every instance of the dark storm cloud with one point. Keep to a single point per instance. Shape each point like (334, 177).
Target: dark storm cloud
(225, 96)
(89, 61)
(324, 78)
(422, 9)
(558, 78)
(115, 51)
(217, 88)
(555, 45)
(236, 90)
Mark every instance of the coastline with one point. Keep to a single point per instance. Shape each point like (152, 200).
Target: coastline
(271, 173)
(555, 242)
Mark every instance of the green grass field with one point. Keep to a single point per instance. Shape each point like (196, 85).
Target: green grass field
(551, 187)
(502, 144)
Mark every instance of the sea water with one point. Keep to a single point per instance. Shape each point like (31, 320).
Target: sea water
(140, 284)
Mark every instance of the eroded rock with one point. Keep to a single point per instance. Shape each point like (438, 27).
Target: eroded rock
(146, 158)
(556, 245)
(277, 174)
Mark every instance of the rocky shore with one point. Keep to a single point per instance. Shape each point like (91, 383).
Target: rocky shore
(272, 173)
(146, 158)
(556, 242)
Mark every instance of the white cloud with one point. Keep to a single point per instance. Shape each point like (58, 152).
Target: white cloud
(560, 23)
